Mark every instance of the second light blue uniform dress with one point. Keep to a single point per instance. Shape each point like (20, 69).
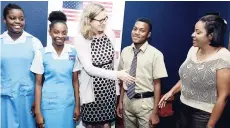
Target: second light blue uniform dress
(58, 101)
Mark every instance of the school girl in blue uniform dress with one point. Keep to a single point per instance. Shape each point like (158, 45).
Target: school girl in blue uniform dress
(17, 82)
(57, 98)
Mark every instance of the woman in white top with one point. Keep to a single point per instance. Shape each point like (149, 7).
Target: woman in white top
(17, 82)
(95, 49)
(204, 76)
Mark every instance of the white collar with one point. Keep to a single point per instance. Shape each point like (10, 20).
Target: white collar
(7, 37)
(50, 48)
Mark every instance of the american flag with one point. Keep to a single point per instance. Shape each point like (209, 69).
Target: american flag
(73, 9)
(117, 33)
(69, 40)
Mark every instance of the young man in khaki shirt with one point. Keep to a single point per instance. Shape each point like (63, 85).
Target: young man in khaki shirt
(140, 110)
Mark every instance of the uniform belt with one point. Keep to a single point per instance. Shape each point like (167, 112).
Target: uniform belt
(101, 65)
(143, 95)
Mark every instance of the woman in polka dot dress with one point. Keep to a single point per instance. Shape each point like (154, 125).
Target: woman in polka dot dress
(103, 109)
(98, 78)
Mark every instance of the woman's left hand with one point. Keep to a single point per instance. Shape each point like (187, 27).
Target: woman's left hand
(76, 115)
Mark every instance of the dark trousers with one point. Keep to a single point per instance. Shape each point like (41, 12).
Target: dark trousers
(192, 118)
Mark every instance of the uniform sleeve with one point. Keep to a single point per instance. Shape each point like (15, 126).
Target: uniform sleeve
(37, 64)
(77, 65)
(159, 70)
(37, 44)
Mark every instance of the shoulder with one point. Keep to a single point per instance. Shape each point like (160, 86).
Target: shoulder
(71, 48)
(110, 34)
(224, 54)
(35, 40)
(126, 49)
(154, 51)
(80, 41)
(3, 35)
(26, 34)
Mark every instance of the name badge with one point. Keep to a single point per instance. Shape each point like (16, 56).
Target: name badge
(71, 57)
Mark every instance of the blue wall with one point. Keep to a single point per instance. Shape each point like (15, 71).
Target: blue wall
(35, 16)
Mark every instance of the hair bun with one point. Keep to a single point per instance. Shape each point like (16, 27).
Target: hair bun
(57, 16)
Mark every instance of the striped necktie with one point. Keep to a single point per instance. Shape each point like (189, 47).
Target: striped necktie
(132, 72)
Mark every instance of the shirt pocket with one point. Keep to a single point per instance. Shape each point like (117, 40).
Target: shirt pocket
(54, 100)
(144, 69)
(26, 86)
(6, 87)
(142, 63)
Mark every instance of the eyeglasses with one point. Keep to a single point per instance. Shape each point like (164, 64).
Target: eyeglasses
(102, 20)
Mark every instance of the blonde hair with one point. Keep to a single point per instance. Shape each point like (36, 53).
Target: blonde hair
(89, 13)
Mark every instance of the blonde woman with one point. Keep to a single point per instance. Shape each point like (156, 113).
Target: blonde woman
(95, 47)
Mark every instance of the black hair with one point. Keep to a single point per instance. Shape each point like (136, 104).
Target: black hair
(146, 21)
(215, 26)
(56, 17)
(10, 7)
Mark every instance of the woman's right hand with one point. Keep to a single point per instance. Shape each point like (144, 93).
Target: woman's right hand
(125, 77)
(40, 120)
(164, 99)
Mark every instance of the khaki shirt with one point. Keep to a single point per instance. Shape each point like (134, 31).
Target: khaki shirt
(150, 66)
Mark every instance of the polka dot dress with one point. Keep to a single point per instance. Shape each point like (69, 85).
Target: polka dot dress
(103, 109)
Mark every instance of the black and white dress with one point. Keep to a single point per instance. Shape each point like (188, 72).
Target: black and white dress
(103, 110)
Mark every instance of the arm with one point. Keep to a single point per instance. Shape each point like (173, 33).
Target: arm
(37, 44)
(38, 69)
(159, 71)
(122, 93)
(122, 90)
(154, 118)
(120, 102)
(223, 81)
(84, 53)
(157, 93)
(76, 89)
(38, 93)
(176, 88)
(77, 97)
(169, 94)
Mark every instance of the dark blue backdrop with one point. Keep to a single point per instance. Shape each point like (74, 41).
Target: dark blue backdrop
(173, 24)
(35, 15)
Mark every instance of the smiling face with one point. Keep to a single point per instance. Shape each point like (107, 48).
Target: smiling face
(58, 33)
(140, 32)
(15, 21)
(199, 36)
(99, 22)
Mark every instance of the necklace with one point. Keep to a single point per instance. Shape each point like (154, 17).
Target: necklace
(202, 57)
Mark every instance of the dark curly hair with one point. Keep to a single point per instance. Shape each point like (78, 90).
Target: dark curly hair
(56, 17)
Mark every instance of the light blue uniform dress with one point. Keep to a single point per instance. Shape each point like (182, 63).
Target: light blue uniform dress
(58, 101)
(17, 84)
